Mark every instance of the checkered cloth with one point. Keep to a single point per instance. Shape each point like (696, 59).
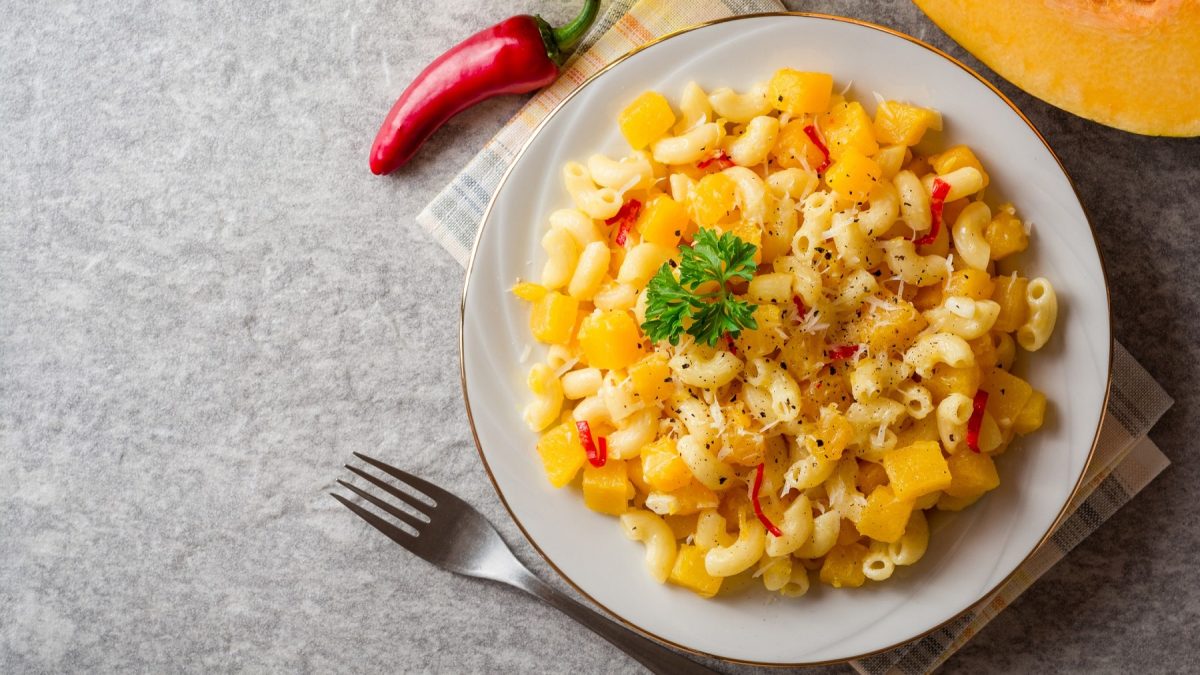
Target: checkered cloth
(1126, 460)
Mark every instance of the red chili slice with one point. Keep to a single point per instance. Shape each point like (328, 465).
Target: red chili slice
(596, 456)
(940, 189)
(813, 136)
(758, 510)
(801, 310)
(719, 157)
(843, 352)
(626, 217)
(976, 421)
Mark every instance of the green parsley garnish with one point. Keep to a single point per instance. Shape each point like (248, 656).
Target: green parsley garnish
(711, 262)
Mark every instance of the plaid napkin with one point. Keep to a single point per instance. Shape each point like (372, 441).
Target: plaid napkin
(1126, 460)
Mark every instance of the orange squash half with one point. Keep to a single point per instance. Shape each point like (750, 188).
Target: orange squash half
(1129, 64)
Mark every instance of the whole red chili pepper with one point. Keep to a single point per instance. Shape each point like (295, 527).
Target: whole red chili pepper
(515, 56)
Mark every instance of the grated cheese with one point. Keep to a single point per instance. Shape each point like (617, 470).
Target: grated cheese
(526, 352)
(566, 367)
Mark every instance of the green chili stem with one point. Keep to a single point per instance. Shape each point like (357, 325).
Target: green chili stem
(568, 36)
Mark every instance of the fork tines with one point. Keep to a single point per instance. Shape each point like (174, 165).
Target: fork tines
(422, 508)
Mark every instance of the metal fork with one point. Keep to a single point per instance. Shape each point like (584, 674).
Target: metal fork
(460, 539)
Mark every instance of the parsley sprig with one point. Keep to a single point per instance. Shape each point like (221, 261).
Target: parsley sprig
(699, 301)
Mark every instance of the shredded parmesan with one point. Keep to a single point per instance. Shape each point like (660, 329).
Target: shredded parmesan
(879, 100)
(877, 303)
(949, 270)
(1028, 227)
(769, 426)
(703, 119)
(566, 367)
(526, 352)
(846, 88)
(881, 435)
(629, 185)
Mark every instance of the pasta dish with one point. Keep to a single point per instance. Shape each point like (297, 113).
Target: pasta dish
(778, 333)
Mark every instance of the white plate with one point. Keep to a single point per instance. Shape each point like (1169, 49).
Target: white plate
(972, 552)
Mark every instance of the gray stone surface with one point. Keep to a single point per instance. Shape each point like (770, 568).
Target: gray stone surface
(207, 303)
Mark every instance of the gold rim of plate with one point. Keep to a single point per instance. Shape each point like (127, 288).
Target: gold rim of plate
(1062, 514)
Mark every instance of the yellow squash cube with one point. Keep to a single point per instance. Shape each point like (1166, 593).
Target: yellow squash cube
(562, 454)
(610, 339)
(689, 571)
(917, 470)
(607, 488)
(651, 378)
(853, 175)
(971, 473)
(552, 319)
(646, 119)
(848, 127)
(884, 517)
(832, 434)
(1014, 308)
(748, 232)
(970, 283)
(946, 380)
(897, 122)
(714, 198)
(798, 93)
(843, 567)
(529, 291)
(752, 343)
(948, 503)
(1005, 234)
(986, 355)
(1032, 416)
(663, 221)
(662, 467)
(1007, 396)
(794, 149)
(689, 499)
(956, 158)
(891, 330)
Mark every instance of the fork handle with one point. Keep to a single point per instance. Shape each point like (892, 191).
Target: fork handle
(655, 657)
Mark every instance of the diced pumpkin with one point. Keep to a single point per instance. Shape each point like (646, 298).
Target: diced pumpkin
(634, 470)
(644, 120)
(1032, 416)
(884, 517)
(1083, 55)
(956, 158)
(1005, 234)
(984, 348)
(924, 429)
(853, 175)
(971, 473)
(847, 126)
(832, 434)
(745, 447)
(1007, 396)
(651, 378)
(891, 330)
(689, 571)
(917, 470)
(610, 339)
(562, 454)
(843, 566)
(798, 93)
(714, 198)
(607, 489)
(662, 467)
(1014, 308)
(765, 339)
(948, 503)
(794, 149)
(970, 283)
(749, 232)
(688, 499)
(946, 380)
(663, 221)
(527, 290)
(897, 122)
(552, 318)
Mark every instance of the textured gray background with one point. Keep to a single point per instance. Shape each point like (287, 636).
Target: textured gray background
(207, 303)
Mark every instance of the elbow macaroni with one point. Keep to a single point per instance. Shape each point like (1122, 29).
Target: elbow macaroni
(857, 382)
